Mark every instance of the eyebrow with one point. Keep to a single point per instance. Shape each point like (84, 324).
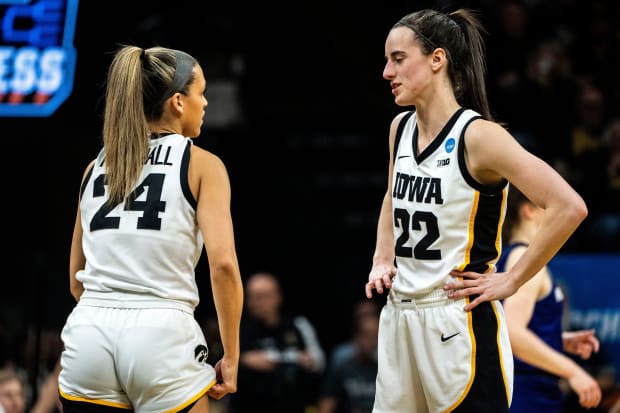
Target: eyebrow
(395, 53)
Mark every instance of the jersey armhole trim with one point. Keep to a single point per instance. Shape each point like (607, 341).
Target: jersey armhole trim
(184, 176)
(399, 132)
(484, 189)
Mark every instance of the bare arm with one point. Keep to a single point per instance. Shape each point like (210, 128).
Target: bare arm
(48, 400)
(383, 269)
(215, 222)
(77, 260)
(493, 153)
(532, 349)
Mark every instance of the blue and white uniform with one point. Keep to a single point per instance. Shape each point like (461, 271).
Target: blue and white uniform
(535, 389)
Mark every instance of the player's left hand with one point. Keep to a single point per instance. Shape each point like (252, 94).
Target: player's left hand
(487, 287)
(581, 343)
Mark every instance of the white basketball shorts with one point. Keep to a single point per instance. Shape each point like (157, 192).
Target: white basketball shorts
(435, 357)
(151, 360)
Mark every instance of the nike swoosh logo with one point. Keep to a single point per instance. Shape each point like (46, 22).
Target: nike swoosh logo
(404, 156)
(444, 338)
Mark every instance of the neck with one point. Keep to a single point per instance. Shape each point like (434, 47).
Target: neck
(433, 113)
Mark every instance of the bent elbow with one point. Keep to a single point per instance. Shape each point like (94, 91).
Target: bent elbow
(580, 210)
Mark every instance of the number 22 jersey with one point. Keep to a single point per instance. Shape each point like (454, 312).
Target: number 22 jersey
(442, 218)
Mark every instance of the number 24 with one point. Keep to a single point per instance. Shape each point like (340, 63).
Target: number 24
(150, 207)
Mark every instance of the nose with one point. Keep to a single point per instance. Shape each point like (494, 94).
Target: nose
(388, 71)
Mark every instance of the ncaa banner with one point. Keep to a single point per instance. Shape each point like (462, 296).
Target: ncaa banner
(37, 56)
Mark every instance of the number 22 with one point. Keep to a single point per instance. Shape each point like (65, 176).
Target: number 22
(421, 250)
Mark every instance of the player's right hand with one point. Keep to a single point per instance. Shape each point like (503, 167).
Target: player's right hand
(380, 277)
(226, 377)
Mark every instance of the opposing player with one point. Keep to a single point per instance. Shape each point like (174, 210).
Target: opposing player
(534, 315)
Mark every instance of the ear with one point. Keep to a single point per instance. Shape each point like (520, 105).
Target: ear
(176, 103)
(438, 59)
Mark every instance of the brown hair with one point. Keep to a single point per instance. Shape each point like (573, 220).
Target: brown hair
(460, 34)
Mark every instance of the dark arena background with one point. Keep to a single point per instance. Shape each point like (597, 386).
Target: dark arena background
(299, 113)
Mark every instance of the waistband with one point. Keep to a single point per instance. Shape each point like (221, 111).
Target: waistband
(434, 298)
(111, 302)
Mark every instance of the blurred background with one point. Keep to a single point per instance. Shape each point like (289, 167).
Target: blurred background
(299, 112)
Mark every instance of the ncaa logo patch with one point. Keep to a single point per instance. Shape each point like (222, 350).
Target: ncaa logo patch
(450, 143)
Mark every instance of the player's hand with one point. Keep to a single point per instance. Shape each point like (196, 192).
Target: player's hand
(581, 343)
(380, 277)
(226, 376)
(586, 388)
(487, 287)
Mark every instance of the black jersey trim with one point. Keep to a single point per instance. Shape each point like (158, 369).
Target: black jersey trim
(485, 189)
(399, 132)
(436, 143)
(485, 232)
(161, 135)
(489, 390)
(184, 176)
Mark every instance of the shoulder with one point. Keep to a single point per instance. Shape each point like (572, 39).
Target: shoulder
(88, 170)
(204, 161)
(204, 155)
(398, 119)
(491, 151)
(481, 130)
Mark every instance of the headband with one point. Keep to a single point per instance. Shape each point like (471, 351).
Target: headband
(184, 64)
(417, 32)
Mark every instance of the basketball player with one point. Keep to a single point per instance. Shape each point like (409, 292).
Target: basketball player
(147, 205)
(534, 317)
(443, 342)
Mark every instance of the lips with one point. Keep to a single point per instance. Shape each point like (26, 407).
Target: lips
(395, 87)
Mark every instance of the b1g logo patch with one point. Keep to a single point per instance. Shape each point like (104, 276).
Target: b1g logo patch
(37, 57)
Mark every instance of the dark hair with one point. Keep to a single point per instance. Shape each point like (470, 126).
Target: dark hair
(460, 34)
(516, 198)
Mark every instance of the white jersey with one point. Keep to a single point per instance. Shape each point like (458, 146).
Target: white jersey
(143, 252)
(443, 219)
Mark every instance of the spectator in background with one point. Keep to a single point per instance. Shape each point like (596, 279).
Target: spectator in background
(604, 229)
(281, 360)
(12, 391)
(343, 352)
(349, 385)
(586, 134)
(48, 400)
(534, 317)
